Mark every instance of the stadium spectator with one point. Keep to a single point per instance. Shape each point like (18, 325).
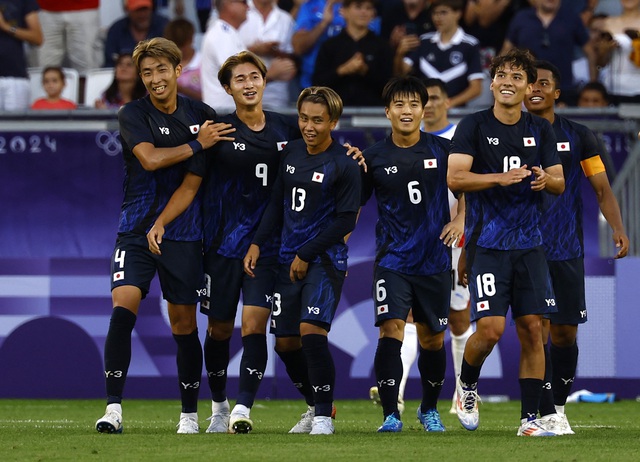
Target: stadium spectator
(291, 6)
(70, 29)
(408, 18)
(126, 85)
(203, 10)
(622, 74)
(448, 54)
(181, 32)
(356, 63)
(561, 227)
(53, 82)
(504, 159)
(139, 23)
(550, 31)
(267, 32)
(19, 24)
(221, 40)
(593, 94)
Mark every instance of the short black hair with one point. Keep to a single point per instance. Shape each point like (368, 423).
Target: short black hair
(433, 82)
(404, 86)
(595, 86)
(347, 3)
(549, 66)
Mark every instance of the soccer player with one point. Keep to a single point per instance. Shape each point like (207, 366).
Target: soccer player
(315, 199)
(408, 172)
(561, 228)
(506, 157)
(159, 134)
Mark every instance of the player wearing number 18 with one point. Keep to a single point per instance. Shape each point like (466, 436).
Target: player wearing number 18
(506, 158)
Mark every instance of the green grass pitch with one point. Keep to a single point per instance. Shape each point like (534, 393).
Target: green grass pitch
(63, 430)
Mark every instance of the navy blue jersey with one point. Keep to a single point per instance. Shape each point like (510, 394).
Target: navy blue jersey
(561, 223)
(147, 193)
(511, 214)
(413, 204)
(240, 177)
(311, 192)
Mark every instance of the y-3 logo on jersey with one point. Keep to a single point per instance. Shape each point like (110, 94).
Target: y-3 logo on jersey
(391, 170)
(493, 141)
(164, 130)
(239, 146)
(291, 169)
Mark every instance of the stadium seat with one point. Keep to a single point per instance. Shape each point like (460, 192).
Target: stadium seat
(97, 81)
(70, 92)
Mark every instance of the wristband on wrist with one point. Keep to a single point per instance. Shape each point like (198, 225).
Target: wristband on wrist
(195, 146)
(13, 30)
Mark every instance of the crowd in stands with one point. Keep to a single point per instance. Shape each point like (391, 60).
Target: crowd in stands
(352, 46)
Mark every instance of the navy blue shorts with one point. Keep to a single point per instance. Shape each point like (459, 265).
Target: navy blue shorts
(568, 285)
(225, 280)
(179, 268)
(396, 293)
(519, 279)
(313, 300)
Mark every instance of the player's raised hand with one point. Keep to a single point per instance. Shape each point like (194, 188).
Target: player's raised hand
(154, 238)
(250, 259)
(540, 180)
(513, 176)
(210, 133)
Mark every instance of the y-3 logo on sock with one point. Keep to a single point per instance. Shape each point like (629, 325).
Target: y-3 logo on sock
(221, 373)
(321, 388)
(567, 381)
(435, 384)
(255, 372)
(386, 382)
(190, 386)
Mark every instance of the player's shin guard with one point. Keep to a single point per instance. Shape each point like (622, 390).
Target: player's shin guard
(117, 352)
(252, 366)
(530, 391)
(458, 343)
(564, 362)
(546, 399)
(432, 366)
(388, 369)
(322, 372)
(296, 366)
(189, 360)
(408, 354)
(216, 359)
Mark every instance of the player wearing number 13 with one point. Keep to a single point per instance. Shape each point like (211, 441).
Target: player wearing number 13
(505, 158)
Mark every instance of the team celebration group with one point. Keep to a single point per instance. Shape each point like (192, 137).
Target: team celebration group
(261, 205)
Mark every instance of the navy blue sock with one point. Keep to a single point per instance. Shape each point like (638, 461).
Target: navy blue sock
(117, 352)
(189, 360)
(252, 366)
(432, 366)
(322, 371)
(546, 399)
(296, 365)
(388, 368)
(216, 359)
(469, 374)
(564, 362)
(530, 391)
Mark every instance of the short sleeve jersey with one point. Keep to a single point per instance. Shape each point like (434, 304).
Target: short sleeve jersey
(510, 215)
(561, 223)
(147, 193)
(411, 190)
(314, 190)
(239, 181)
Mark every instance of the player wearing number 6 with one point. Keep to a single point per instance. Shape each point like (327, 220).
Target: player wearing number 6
(316, 200)
(408, 172)
(505, 157)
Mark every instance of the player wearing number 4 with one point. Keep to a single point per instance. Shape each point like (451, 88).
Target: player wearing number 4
(315, 199)
(160, 133)
(506, 158)
(408, 173)
(563, 243)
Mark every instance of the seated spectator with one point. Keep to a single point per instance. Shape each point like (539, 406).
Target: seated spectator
(126, 85)
(409, 17)
(593, 94)
(356, 63)
(448, 54)
(181, 32)
(140, 23)
(53, 82)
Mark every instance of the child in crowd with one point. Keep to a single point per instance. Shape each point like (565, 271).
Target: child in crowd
(53, 82)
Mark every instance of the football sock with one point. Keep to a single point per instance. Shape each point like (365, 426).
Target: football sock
(189, 360)
(296, 366)
(388, 368)
(458, 342)
(564, 362)
(546, 399)
(408, 354)
(117, 352)
(216, 359)
(469, 374)
(530, 391)
(432, 366)
(252, 367)
(322, 371)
